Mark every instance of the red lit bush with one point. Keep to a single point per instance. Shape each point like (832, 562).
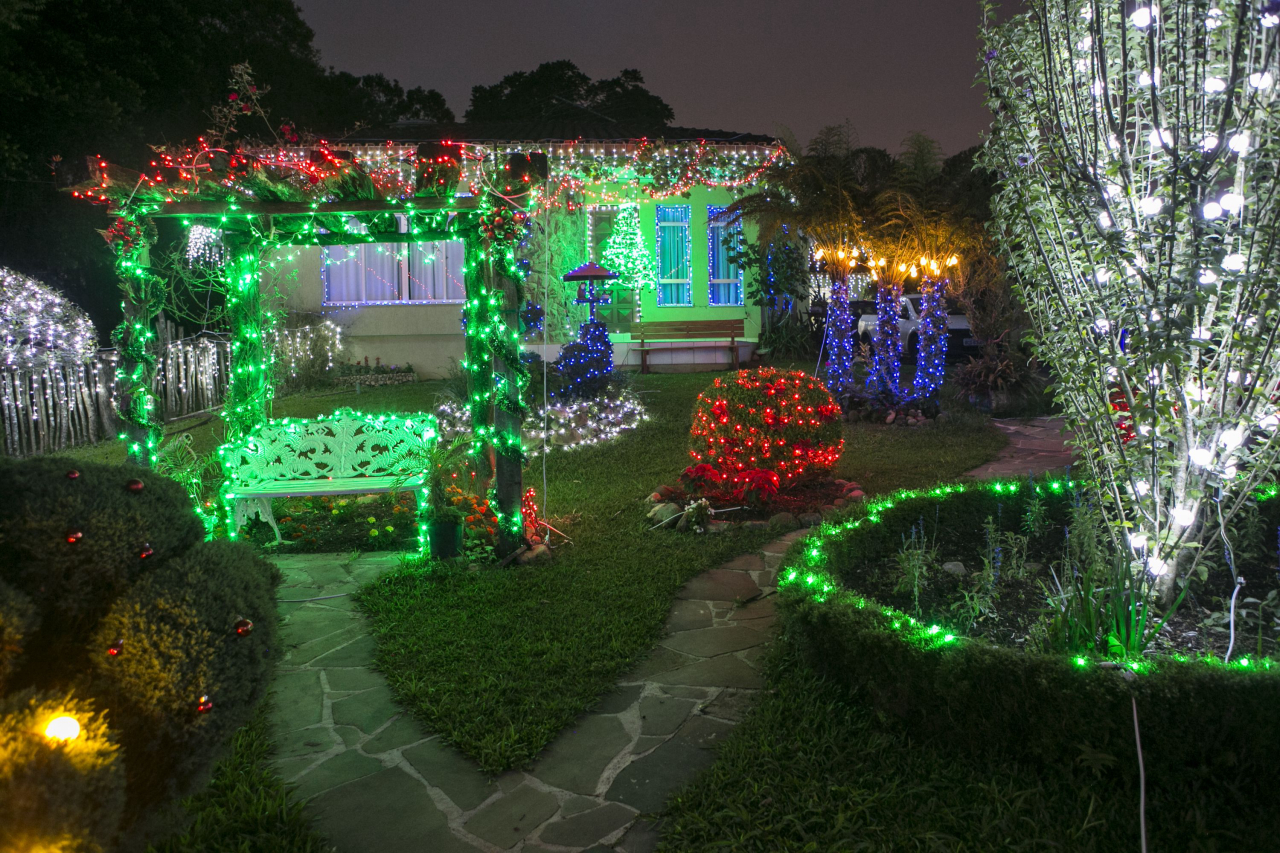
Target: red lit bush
(782, 421)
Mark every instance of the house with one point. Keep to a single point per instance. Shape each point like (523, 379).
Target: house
(400, 302)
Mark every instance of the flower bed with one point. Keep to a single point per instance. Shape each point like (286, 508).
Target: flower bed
(1209, 747)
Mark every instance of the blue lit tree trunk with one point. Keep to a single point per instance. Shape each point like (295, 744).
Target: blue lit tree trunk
(931, 337)
(884, 377)
(250, 388)
(842, 340)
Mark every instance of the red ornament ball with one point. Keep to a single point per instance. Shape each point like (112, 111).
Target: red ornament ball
(244, 627)
(74, 536)
(115, 648)
(135, 486)
(73, 474)
(204, 706)
(784, 421)
(146, 551)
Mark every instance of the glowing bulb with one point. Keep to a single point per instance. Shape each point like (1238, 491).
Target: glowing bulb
(1239, 143)
(952, 261)
(1261, 81)
(1201, 456)
(1213, 85)
(1151, 205)
(62, 728)
(1182, 516)
(1212, 210)
(1141, 17)
(1232, 203)
(1233, 262)
(1209, 143)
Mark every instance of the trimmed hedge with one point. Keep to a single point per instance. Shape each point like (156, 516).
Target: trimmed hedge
(138, 617)
(1210, 738)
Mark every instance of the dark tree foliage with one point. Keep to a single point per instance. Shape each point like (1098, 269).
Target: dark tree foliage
(109, 77)
(559, 90)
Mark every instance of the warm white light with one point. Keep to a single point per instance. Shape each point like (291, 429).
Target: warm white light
(1212, 210)
(1182, 516)
(1209, 143)
(62, 728)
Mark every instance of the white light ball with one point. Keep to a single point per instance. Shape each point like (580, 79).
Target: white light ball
(1212, 210)
(1233, 262)
(1232, 203)
(1239, 143)
(1141, 17)
(1151, 205)
(1261, 81)
(1213, 85)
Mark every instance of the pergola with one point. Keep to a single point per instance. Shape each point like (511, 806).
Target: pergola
(261, 203)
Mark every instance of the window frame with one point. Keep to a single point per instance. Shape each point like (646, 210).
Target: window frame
(716, 231)
(685, 284)
(403, 253)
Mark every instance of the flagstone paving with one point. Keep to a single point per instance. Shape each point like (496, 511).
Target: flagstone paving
(378, 782)
(1036, 445)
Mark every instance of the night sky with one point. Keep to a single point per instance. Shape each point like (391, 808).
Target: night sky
(889, 67)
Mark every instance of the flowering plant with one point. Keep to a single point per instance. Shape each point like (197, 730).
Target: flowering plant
(756, 487)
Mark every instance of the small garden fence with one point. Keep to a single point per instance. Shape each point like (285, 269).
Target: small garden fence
(68, 403)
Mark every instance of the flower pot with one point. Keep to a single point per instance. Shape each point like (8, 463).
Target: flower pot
(445, 538)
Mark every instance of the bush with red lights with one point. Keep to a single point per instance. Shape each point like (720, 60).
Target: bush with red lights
(782, 422)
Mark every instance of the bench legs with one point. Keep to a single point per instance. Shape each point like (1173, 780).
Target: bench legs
(733, 344)
(247, 508)
(644, 358)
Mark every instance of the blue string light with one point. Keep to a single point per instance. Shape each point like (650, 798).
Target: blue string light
(931, 337)
(884, 378)
(841, 338)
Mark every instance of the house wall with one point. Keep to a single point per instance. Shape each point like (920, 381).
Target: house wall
(429, 335)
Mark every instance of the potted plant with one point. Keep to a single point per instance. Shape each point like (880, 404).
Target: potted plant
(439, 464)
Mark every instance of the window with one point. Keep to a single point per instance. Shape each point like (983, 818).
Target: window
(675, 276)
(722, 240)
(387, 273)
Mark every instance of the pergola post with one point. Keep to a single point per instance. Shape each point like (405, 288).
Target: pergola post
(135, 341)
(250, 386)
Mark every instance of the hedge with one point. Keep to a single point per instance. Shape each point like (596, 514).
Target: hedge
(1210, 739)
(110, 596)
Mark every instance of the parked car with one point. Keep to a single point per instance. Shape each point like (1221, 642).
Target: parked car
(959, 336)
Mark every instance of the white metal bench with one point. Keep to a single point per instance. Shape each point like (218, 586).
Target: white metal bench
(346, 453)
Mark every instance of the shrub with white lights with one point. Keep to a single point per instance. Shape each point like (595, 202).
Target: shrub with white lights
(38, 325)
(1138, 151)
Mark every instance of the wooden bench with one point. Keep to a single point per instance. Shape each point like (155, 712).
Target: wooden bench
(346, 453)
(716, 331)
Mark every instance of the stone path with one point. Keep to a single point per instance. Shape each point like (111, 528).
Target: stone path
(1035, 445)
(377, 782)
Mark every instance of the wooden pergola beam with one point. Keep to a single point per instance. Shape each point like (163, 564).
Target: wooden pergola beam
(303, 208)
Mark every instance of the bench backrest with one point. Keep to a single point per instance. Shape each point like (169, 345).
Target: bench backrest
(685, 330)
(344, 445)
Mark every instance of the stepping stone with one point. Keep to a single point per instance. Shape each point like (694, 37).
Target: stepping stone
(752, 656)
(575, 804)
(576, 759)
(644, 743)
(646, 783)
(587, 828)
(619, 700)
(403, 731)
(353, 679)
(761, 608)
(745, 563)
(731, 705)
(367, 711)
(643, 837)
(709, 642)
(659, 660)
(300, 654)
(297, 700)
(661, 715)
(387, 811)
(720, 585)
(305, 742)
(506, 821)
(723, 671)
(688, 615)
(356, 653)
(445, 768)
(341, 768)
(349, 734)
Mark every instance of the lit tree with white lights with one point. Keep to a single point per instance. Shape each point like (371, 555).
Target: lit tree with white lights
(626, 253)
(1138, 151)
(38, 325)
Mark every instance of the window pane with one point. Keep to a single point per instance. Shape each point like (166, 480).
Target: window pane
(674, 251)
(435, 272)
(381, 272)
(725, 279)
(343, 273)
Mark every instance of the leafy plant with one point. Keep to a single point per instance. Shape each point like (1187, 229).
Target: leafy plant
(756, 487)
(440, 463)
(916, 559)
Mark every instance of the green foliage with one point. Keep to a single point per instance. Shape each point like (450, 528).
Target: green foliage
(558, 90)
(916, 559)
(246, 807)
(1046, 713)
(57, 796)
(41, 507)
(137, 615)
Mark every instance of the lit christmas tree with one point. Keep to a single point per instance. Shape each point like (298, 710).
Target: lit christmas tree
(626, 254)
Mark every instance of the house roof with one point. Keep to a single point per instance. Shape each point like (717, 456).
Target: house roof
(545, 131)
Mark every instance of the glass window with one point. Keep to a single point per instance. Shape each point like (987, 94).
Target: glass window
(723, 240)
(675, 248)
(380, 273)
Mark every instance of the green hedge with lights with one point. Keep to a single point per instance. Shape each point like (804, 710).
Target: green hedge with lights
(115, 612)
(1210, 739)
